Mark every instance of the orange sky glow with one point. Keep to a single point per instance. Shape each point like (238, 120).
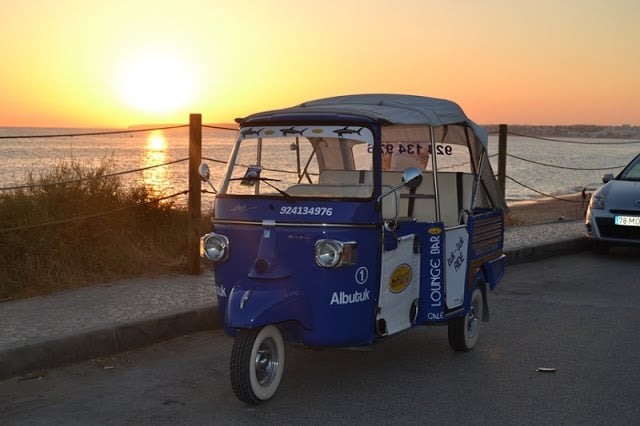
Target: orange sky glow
(81, 63)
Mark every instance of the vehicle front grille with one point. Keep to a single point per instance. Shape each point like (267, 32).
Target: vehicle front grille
(609, 230)
(626, 212)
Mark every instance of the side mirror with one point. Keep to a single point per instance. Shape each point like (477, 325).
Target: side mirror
(607, 177)
(412, 177)
(203, 170)
(205, 175)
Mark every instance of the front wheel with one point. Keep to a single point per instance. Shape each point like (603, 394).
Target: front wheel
(257, 363)
(464, 331)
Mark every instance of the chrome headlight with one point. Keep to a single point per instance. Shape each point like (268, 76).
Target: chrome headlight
(597, 202)
(332, 253)
(214, 247)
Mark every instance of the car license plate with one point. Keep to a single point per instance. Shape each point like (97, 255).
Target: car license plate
(627, 220)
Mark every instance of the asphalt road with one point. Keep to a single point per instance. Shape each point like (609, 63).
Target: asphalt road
(576, 314)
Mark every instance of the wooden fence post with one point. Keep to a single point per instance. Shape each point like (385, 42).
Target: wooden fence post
(195, 158)
(502, 158)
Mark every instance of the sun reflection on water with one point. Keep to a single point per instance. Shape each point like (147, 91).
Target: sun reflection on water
(156, 179)
(156, 141)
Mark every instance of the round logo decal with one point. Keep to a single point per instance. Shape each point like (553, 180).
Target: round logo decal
(435, 231)
(400, 278)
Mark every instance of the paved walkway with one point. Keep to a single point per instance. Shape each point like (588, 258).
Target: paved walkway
(76, 325)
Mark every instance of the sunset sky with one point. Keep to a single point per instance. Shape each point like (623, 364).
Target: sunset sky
(86, 63)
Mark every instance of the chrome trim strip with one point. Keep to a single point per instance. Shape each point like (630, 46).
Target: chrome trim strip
(299, 225)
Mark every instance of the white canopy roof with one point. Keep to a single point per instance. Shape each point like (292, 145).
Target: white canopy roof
(402, 109)
(394, 108)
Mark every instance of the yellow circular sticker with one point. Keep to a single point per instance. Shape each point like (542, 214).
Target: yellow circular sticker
(435, 231)
(400, 278)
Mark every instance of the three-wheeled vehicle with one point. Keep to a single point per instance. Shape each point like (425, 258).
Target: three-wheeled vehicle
(345, 220)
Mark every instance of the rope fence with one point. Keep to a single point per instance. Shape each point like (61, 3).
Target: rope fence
(555, 166)
(90, 216)
(208, 126)
(103, 133)
(540, 192)
(66, 182)
(565, 167)
(631, 142)
(101, 176)
(106, 133)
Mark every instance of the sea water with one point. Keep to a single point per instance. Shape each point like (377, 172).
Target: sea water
(137, 151)
(535, 167)
(540, 167)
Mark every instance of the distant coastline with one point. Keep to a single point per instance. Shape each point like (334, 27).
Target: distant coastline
(624, 131)
(158, 125)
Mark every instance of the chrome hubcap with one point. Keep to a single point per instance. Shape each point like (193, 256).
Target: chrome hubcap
(266, 362)
(472, 322)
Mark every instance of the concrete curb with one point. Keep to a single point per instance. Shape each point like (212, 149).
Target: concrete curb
(544, 251)
(61, 350)
(57, 351)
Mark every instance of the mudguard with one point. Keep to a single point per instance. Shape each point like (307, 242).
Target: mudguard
(251, 306)
(494, 270)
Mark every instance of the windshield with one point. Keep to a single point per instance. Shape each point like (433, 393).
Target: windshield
(301, 161)
(632, 171)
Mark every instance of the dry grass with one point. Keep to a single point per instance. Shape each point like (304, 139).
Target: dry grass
(118, 232)
(135, 236)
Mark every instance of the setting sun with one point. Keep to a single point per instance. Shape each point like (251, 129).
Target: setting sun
(156, 83)
(107, 64)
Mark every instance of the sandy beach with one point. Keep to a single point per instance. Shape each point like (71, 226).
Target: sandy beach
(547, 210)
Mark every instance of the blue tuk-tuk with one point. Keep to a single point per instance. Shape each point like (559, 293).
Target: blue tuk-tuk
(345, 220)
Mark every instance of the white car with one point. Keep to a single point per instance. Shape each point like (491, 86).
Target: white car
(613, 216)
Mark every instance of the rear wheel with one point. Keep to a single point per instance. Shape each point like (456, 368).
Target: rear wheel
(464, 331)
(257, 363)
